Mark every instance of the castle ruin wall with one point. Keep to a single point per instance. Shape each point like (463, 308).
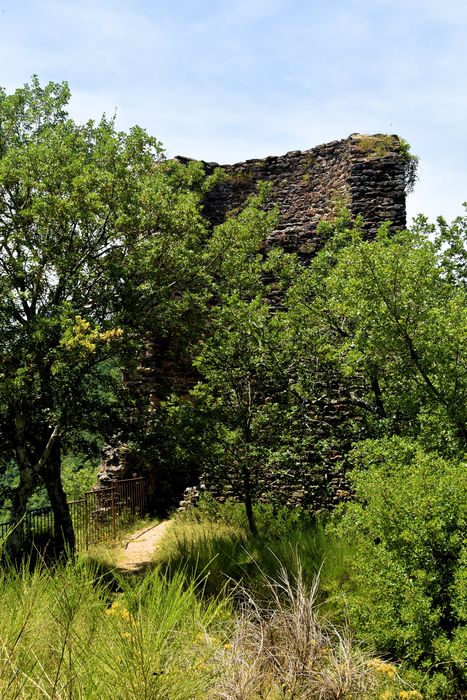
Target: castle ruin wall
(316, 184)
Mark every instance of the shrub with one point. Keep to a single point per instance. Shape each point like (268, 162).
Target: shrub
(407, 574)
(376, 145)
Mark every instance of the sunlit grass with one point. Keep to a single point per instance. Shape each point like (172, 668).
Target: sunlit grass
(210, 621)
(66, 634)
(215, 542)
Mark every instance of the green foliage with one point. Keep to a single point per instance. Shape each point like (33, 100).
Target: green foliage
(451, 244)
(411, 165)
(180, 434)
(245, 388)
(71, 633)
(99, 241)
(255, 418)
(392, 323)
(406, 575)
(376, 146)
(366, 341)
(78, 474)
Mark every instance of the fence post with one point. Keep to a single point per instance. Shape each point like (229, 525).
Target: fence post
(114, 524)
(86, 522)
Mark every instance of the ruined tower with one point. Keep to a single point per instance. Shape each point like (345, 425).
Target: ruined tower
(369, 175)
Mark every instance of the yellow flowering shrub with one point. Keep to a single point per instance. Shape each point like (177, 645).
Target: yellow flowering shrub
(119, 611)
(383, 667)
(401, 695)
(85, 339)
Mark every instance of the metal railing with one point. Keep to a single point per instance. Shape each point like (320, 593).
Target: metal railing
(97, 516)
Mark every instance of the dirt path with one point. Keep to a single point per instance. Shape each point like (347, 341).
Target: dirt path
(139, 549)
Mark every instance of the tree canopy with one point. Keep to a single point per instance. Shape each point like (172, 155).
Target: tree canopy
(98, 242)
(104, 250)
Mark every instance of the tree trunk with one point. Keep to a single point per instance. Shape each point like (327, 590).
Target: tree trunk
(248, 501)
(64, 535)
(14, 546)
(23, 491)
(378, 395)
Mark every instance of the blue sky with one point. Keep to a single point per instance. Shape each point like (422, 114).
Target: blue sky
(226, 80)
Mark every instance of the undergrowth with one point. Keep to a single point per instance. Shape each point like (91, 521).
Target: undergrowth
(287, 649)
(214, 541)
(223, 615)
(66, 634)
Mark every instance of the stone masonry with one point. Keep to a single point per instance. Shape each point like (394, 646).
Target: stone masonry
(366, 174)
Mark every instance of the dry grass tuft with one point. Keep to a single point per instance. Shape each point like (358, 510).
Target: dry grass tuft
(283, 649)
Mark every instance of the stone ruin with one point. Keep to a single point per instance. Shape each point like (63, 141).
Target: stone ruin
(368, 175)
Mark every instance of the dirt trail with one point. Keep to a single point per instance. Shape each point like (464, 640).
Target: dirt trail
(139, 550)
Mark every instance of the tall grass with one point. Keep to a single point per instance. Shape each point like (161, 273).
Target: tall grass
(214, 542)
(288, 650)
(290, 640)
(63, 634)
(70, 632)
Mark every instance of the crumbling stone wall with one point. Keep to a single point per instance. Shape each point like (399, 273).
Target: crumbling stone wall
(366, 174)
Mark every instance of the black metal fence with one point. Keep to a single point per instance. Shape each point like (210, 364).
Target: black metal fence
(96, 517)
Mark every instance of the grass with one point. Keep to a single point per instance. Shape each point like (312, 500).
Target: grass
(376, 146)
(287, 649)
(219, 617)
(107, 548)
(214, 542)
(65, 634)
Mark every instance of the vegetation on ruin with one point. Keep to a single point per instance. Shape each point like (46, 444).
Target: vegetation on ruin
(382, 145)
(377, 145)
(325, 415)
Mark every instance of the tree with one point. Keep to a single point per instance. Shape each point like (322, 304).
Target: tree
(222, 426)
(451, 245)
(98, 239)
(392, 319)
(245, 395)
(255, 418)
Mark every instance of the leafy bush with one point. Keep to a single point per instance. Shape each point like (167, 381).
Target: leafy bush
(407, 573)
(78, 475)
